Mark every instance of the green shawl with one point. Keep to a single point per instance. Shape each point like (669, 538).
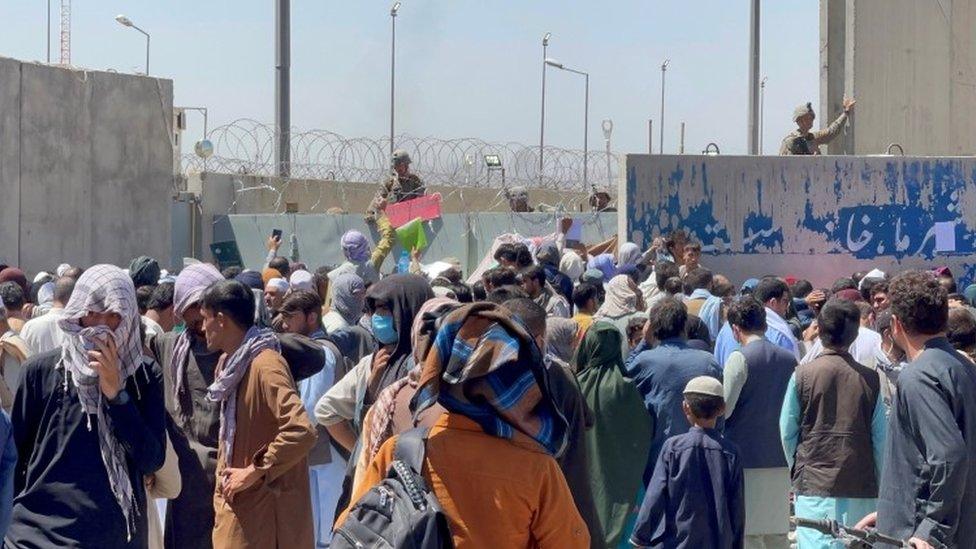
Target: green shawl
(618, 444)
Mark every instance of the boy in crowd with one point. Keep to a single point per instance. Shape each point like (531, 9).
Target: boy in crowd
(696, 496)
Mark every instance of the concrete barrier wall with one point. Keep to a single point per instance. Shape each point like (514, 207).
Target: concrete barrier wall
(467, 237)
(86, 166)
(223, 194)
(911, 65)
(811, 217)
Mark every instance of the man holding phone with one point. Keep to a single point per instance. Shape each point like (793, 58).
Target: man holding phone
(273, 261)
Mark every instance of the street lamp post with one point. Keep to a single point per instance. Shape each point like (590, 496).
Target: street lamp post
(762, 99)
(753, 135)
(542, 125)
(393, 14)
(586, 115)
(48, 32)
(664, 68)
(126, 22)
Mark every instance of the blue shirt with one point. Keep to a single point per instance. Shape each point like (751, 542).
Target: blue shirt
(726, 343)
(8, 462)
(660, 374)
(710, 312)
(928, 483)
(312, 388)
(696, 495)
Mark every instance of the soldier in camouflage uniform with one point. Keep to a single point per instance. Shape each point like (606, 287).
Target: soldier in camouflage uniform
(802, 140)
(400, 186)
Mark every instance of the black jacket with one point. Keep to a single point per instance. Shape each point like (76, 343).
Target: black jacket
(62, 493)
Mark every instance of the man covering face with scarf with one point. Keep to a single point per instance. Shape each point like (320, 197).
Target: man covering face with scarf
(89, 425)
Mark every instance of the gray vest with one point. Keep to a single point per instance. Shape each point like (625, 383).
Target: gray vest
(754, 425)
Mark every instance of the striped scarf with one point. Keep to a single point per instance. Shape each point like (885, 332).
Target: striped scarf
(103, 288)
(229, 376)
(189, 288)
(485, 366)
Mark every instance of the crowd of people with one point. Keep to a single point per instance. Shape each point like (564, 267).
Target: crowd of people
(564, 397)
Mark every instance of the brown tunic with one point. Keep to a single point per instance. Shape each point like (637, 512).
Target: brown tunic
(273, 433)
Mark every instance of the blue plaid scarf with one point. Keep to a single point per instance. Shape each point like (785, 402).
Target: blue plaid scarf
(484, 365)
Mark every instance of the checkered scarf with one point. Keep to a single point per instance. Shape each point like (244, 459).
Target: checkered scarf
(485, 365)
(189, 288)
(103, 288)
(229, 376)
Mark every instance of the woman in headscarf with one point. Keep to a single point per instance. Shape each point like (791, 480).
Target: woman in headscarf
(561, 338)
(348, 300)
(486, 370)
(391, 305)
(620, 305)
(628, 255)
(391, 413)
(629, 262)
(572, 265)
(620, 438)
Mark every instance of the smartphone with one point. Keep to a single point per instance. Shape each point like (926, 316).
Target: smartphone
(276, 234)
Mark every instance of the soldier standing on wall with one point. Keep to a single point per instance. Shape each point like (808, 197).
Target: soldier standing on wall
(802, 140)
(400, 186)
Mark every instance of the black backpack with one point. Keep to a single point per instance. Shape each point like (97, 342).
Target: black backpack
(400, 512)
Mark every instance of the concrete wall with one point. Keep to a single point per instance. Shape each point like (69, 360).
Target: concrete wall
(467, 237)
(832, 51)
(86, 166)
(222, 194)
(813, 217)
(911, 64)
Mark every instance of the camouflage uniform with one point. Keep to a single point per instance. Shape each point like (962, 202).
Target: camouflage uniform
(797, 143)
(396, 188)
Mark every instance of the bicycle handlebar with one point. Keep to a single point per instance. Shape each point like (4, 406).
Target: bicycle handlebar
(833, 528)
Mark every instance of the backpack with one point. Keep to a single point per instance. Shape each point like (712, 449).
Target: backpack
(400, 512)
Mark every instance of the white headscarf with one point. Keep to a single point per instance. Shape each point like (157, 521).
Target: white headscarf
(621, 299)
(572, 265)
(629, 254)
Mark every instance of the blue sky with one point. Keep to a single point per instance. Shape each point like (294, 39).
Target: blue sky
(465, 68)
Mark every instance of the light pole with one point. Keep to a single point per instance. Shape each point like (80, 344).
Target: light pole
(48, 32)
(393, 14)
(586, 114)
(664, 68)
(542, 125)
(762, 99)
(753, 137)
(126, 22)
(607, 131)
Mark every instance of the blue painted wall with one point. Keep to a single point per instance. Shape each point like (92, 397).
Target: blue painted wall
(807, 214)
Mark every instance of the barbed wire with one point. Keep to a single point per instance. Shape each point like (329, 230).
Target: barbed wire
(246, 146)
